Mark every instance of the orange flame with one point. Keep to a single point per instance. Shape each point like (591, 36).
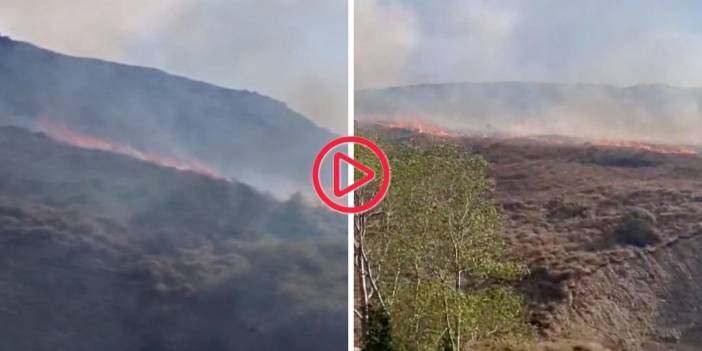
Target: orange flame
(659, 149)
(91, 142)
(417, 125)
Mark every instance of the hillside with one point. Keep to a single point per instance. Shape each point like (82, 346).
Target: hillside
(654, 113)
(611, 236)
(105, 252)
(241, 134)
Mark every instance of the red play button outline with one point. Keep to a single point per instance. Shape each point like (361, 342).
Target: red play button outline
(369, 174)
(384, 164)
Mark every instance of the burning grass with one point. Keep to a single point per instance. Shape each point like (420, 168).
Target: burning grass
(414, 125)
(421, 126)
(92, 142)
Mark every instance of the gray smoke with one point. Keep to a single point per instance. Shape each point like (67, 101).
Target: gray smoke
(620, 43)
(611, 65)
(651, 113)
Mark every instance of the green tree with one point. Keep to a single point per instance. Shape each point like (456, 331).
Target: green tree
(431, 253)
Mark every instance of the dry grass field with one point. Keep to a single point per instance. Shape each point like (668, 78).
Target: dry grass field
(610, 231)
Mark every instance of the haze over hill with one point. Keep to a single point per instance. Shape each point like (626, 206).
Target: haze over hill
(653, 113)
(141, 211)
(240, 134)
(101, 251)
(299, 56)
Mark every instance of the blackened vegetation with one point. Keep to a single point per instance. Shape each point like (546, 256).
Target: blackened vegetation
(103, 252)
(624, 158)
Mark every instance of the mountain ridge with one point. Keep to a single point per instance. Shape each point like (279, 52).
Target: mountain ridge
(247, 136)
(6, 40)
(650, 113)
(528, 82)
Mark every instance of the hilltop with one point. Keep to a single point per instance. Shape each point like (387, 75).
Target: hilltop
(241, 134)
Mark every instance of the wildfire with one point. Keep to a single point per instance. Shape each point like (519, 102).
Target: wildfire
(91, 142)
(416, 125)
(659, 149)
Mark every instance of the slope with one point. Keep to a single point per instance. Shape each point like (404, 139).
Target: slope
(102, 251)
(240, 133)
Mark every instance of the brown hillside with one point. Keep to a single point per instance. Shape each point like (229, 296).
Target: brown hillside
(611, 234)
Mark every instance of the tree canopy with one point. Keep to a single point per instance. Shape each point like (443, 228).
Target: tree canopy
(433, 258)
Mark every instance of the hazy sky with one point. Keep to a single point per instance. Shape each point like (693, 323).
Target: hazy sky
(292, 50)
(626, 42)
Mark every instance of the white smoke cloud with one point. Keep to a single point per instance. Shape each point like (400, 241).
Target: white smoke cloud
(95, 28)
(622, 43)
(386, 34)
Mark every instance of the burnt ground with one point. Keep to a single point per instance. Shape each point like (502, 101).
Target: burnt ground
(605, 232)
(612, 238)
(100, 251)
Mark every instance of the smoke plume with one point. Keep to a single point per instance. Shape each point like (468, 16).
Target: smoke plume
(604, 70)
(622, 43)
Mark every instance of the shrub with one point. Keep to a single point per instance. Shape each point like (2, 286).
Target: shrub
(378, 335)
(637, 228)
(560, 209)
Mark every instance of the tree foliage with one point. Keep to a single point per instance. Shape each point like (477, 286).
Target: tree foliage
(432, 250)
(379, 331)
